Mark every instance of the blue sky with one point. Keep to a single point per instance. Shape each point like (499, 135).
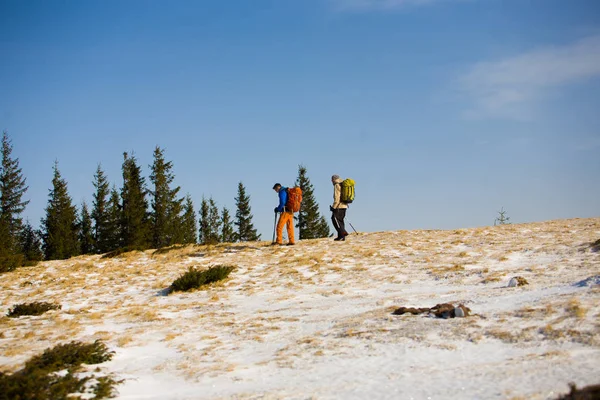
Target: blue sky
(443, 111)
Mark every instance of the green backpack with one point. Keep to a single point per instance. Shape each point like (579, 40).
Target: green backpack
(347, 193)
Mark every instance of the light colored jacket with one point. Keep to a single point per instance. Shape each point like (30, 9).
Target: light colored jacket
(337, 193)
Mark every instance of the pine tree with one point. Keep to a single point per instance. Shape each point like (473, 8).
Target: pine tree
(99, 214)
(86, 234)
(31, 244)
(135, 224)
(12, 189)
(311, 223)
(166, 207)
(210, 224)
(9, 259)
(214, 220)
(188, 225)
(204, 231)
(227, 232)
(243, 217)
(502, 218)
(59, 227)
(113, 238)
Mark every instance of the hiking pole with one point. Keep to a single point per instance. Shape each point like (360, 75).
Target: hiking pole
(274, 225)
(352, 227)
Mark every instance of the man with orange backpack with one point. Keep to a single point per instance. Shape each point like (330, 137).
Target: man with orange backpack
(289, 203)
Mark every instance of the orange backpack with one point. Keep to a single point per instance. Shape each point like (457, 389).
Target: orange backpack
(294, 199)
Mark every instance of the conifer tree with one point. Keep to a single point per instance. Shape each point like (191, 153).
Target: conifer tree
(227, 232)
(243, 217)
(204, 231)
(175, 232)
(113, 238)
(12, 189)
(311, 223)
(210, 223)
(86, 235)
(99, 215)
(214, 220)
(166, 207)
(135, 224)
(59, 227)
(9, 258)
(31, 244)
(188, 224)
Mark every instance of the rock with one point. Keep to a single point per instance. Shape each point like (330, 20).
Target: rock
(517, 281)
(444, 310)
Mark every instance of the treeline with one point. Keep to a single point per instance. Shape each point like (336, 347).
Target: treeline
(138, 216)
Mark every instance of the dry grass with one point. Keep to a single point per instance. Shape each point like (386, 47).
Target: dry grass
(575, 309)
(208, 326)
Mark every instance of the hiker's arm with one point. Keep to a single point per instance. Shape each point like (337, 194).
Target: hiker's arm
(282, 200)
(337, 192)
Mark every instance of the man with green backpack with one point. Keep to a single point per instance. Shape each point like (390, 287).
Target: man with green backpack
(343, 194)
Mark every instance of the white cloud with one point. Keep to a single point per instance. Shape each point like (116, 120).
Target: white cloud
(510, 87)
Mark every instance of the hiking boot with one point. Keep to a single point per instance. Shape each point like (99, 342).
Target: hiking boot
(291, 244)
(340, 238)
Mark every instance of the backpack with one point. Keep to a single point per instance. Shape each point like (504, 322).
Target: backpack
(347, 192)
(294, 199)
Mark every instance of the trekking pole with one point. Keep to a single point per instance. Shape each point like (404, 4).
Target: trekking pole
(352, 227)
(274, 225)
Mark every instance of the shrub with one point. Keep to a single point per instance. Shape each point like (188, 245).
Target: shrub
(10, 262)
(39, 379)
(195, 278)
(35, 308)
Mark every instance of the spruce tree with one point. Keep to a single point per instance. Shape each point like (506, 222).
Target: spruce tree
(214, 220)
(166, 207)
(59, 227)
(86, 234)
(135, 224)
(243, 217)
(188, 224)
(31, 244)
(227, 232)
(311, 223)
(99, 215)
(12, 189)
(204, 231)
(210, 224)
(113, 238)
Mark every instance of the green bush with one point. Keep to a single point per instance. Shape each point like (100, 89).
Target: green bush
(195, 278)
(35, 308)
(38, 379)
(10, 262)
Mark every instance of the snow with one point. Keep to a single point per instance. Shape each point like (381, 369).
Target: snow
(315, 320)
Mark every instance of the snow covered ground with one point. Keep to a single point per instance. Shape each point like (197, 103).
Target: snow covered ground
(315, 321)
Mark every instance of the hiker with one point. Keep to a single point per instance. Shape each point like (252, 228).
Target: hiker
(338, 209)
(286, 218)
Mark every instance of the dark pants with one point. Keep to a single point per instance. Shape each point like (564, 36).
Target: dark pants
(337, 217)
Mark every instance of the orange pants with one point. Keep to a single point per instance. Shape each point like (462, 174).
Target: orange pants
(285, 218)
